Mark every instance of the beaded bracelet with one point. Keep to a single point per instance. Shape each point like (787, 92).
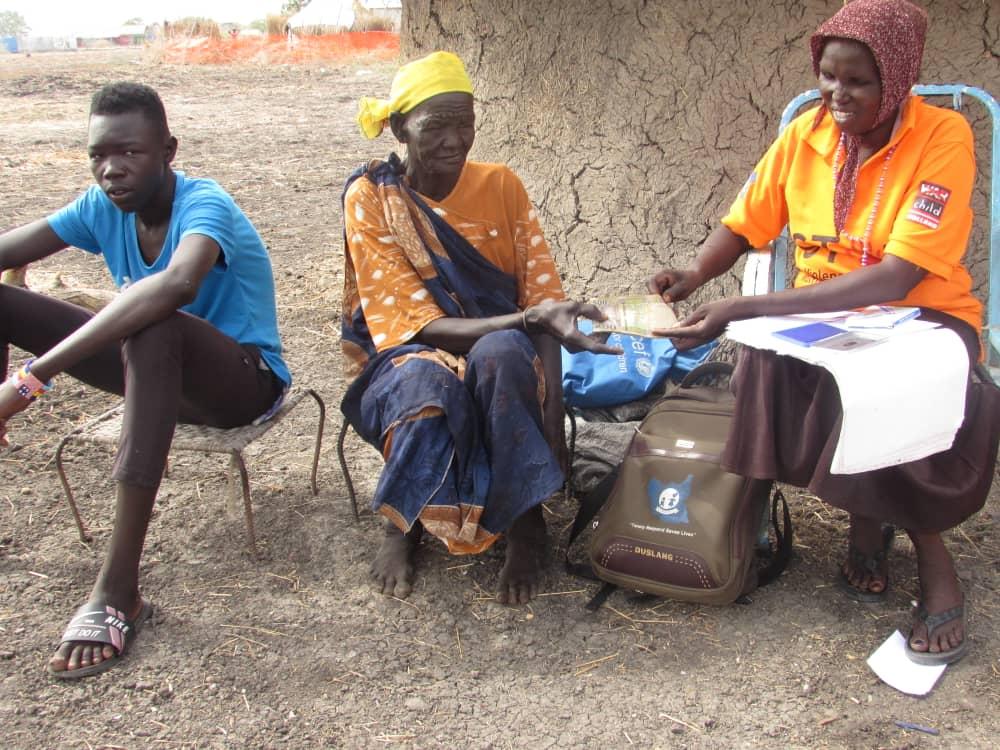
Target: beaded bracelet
(27, 385)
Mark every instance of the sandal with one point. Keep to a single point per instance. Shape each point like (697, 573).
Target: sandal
(871, 564)
(932, 623)
(96, 622)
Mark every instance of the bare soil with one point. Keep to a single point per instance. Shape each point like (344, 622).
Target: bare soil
(292, 647)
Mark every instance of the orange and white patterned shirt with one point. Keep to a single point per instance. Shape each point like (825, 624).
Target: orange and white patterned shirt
(489, 207)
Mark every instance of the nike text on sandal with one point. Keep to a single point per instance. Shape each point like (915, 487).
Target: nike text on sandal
(100, 624)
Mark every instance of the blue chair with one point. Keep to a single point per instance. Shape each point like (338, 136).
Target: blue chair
(766, 269)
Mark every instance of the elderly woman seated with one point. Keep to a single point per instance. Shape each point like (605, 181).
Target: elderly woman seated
(453, 315)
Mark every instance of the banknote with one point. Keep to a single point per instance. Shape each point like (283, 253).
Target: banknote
(640, 314)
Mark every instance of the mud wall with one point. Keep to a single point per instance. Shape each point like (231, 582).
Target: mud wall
(633, 123)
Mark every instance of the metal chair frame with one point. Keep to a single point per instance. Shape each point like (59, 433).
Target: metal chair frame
(765, 270)
(106, 428)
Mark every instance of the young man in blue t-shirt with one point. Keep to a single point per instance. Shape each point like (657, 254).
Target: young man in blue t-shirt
(191, 337)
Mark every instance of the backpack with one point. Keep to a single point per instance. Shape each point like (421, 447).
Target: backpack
(672, 522)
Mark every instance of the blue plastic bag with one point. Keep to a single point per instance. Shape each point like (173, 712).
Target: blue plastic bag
(598, 380)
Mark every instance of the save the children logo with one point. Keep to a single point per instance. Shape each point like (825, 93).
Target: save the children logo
(929, 205)
(668, 501)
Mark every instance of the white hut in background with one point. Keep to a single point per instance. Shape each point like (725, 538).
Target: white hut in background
(344, 15)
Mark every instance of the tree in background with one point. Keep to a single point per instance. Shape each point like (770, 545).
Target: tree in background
(12, 23)
(291, 7)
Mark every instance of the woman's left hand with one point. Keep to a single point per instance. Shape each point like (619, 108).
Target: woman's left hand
(706, 323)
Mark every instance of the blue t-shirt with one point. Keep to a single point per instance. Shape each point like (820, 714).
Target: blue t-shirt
(236, 296)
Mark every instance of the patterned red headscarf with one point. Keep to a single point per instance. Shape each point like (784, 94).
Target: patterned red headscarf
(894, 31)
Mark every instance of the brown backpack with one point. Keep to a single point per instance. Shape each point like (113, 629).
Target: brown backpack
(672, 522)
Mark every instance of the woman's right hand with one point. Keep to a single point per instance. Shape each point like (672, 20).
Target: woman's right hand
(674, 285)
(558, 319)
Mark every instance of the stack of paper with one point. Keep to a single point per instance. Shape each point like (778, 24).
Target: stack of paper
(902, 400)
(881, 316)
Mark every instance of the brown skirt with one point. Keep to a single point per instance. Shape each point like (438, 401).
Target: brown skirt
(786, 424)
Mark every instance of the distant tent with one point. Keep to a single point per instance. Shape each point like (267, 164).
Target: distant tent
(335, 13)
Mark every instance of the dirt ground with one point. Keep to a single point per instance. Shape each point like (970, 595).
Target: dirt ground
(292, 648)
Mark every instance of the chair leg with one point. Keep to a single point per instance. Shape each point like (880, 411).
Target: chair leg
(344, 426)
(237, 460)
(568, 487)
(84, 534)
(319, 437)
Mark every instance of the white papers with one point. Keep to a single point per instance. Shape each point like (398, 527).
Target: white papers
(894, 668)
(902, 400)
(881, 316)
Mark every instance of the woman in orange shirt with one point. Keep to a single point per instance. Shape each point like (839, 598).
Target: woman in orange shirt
(874, 186)
(453, 315)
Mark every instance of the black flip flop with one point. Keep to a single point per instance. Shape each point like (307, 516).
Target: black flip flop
(932, 623)
(97, 622)
(872, 564)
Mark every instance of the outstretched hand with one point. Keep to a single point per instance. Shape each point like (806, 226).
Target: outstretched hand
(558, 319)
(704, 324)
(674, 285)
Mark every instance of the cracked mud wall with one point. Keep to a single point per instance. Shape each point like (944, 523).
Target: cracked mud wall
(633, 123)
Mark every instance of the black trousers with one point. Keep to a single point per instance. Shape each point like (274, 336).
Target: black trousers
(180, 369)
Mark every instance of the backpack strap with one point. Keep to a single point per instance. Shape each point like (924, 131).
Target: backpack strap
(589, 505)
(600, 597)
(706, 370)
(782, 551)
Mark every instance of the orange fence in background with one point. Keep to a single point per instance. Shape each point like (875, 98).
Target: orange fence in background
(278, 49)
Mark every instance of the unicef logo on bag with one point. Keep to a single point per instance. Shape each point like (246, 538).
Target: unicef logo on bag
(669, 501)
(644, 367)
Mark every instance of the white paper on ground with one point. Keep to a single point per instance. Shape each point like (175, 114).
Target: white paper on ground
(902, 400)
(890, 662)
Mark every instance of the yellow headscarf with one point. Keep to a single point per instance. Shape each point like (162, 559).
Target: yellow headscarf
(415, 82)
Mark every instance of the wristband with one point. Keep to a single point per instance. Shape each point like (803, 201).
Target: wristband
(524, 319)
(27, 385)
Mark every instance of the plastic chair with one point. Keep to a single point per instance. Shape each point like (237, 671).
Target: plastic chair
(105, 429)
(766, 269)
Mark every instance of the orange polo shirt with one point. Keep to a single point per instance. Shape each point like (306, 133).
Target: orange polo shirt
(923, 216)
(489, 207)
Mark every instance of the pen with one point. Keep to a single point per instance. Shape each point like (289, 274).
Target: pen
(916, 727)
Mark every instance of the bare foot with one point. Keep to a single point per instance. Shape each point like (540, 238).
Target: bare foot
(526, 541)
(392, 568)
(74, 655)
(866, 567)
(939, 592)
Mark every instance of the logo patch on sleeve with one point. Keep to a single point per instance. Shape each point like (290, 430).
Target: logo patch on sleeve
(935, 192)
(927, 211)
